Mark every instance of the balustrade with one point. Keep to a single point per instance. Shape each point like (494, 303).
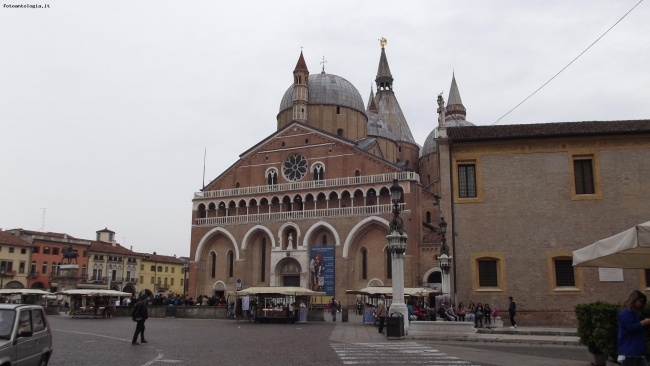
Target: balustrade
(300, 215)
(327, 183)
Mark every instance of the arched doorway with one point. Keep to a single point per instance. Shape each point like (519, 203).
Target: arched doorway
(290, 272)
(14, 285)
(219, 289)
(38, 285)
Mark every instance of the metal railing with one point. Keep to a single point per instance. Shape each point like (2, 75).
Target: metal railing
(300, 215)
(327, 183)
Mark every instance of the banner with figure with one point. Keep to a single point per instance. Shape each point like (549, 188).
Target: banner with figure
(321, 269)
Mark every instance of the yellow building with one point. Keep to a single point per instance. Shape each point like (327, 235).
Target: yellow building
(111, 266)
(14, 261)
(161, 273)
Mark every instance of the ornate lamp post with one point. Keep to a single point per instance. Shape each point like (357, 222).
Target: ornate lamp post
(397, 246)
(444, 258)
(186, 268)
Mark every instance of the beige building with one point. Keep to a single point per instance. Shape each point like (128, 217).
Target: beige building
(15, 255)
(525, 196)
(111, 266)
(161, 274)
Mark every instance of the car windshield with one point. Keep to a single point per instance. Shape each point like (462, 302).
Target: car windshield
(6, 323)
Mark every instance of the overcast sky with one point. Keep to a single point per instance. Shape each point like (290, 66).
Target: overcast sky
(106, 107)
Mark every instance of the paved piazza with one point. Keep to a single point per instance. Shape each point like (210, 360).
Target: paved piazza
(228, 342)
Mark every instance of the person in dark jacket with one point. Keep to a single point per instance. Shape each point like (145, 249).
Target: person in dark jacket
(140, 315)
(631, 337)
(512, 310)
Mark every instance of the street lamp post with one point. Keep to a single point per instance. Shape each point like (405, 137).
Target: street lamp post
(186, 268)
(444, 259)
(397, 246)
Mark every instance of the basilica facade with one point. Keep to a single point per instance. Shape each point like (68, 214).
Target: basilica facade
(310, 205)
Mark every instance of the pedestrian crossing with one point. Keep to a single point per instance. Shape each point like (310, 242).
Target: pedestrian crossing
(394, 353)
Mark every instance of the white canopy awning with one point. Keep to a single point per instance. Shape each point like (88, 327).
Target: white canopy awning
(24, 291)
(281, 290)
(388, 290)
(95, 292)
(628, 249)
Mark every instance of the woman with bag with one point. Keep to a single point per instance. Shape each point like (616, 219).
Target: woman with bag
(461, 312)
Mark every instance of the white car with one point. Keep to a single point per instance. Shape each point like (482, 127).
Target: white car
(25, 335)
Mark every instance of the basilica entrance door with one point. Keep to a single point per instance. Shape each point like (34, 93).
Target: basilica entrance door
(291, 281)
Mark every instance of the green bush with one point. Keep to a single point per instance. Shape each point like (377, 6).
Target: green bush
(586, 326)
(598, 327)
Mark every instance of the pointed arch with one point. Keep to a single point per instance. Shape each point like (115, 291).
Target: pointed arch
(315, 227)
(358, 227)
(208, 235)
(244, 242)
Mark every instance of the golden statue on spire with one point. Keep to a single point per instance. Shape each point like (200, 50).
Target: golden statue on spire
(382, 42)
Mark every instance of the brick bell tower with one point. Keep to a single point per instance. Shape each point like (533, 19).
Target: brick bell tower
(300, 90)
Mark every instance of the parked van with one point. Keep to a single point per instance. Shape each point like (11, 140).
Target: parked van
(25, 335)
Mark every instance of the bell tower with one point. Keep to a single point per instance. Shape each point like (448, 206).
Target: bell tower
(300, 90)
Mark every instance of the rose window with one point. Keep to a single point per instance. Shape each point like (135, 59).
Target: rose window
(295, 167)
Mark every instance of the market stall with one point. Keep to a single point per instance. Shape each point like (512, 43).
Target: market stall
(92, 303)
(277, 304)
(369, 297)
(25, 296)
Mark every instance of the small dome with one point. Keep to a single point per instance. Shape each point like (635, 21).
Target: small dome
(430, 146)
(327, 89)
(379, 127)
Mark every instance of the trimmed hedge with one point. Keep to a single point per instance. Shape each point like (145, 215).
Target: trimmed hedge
(598, 327)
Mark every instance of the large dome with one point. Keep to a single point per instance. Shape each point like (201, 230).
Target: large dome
(430, 143)
(327, 89)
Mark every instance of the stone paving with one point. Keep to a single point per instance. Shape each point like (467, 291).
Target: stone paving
(228, 342)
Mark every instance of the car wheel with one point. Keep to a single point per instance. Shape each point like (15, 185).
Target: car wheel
(44, 360)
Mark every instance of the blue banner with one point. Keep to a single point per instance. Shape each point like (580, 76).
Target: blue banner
(321, 269)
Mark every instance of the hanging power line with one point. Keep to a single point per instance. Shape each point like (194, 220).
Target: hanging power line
(551, 79)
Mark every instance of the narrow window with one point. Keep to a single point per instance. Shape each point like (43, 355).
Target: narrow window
(46, 250)
(231, 260)
(339, 132)
(467, 180)
(389, 265)
(357, 173)
(53, 269)
(44, 269)
(306, 141)
(324, 240)
(11, 250)
(263, 260)
(338, 110)
(214, 265)
(399, 148)
(647, 278)
(584, 175)
(364, 264)
(428, 217)
(21, 267)
(32, 271)
(564, 275)
(487, 273)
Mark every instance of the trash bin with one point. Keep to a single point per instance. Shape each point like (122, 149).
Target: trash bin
(344, 314)
(395, 326)
(170, 311)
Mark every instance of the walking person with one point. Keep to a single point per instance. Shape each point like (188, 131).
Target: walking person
(335, 309)
(381, 313)
(512, 310)
(140, 315)
(631, 336)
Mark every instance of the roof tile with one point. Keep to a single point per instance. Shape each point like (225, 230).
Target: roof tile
(557, 129)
